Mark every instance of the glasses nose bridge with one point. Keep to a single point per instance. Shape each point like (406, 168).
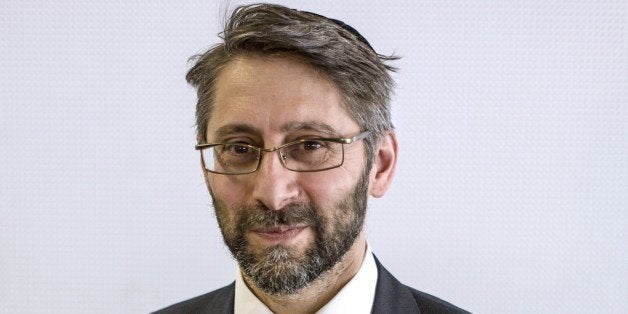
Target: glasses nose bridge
(270, 150)
(279, 151)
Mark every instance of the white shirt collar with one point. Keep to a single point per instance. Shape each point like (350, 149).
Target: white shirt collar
(356, 296)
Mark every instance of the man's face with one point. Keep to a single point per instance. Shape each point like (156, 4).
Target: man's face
(285, 228)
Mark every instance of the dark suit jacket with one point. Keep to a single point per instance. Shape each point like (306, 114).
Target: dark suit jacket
(391, 296)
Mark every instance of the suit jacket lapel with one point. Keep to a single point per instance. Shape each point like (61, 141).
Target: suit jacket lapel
(391, 296)
(222, 301)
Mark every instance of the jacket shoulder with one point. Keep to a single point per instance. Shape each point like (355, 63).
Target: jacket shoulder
(391, 296)
(217, 301)
(430, 304)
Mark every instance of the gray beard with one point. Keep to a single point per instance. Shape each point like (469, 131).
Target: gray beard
(280, 270)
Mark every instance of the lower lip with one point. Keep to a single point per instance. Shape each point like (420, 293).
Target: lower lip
(280, 236)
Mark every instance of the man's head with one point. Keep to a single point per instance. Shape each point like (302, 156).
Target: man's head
(331, 46)
(283, 76)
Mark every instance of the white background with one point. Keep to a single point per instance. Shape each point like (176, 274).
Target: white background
(511, 194)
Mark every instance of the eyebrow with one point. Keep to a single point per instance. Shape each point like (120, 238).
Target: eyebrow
(230, 129)
(309, 126)
(319, 127)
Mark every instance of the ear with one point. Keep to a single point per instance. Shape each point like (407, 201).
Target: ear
(384, 165)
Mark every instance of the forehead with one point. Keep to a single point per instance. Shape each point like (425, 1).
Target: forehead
(271, 94)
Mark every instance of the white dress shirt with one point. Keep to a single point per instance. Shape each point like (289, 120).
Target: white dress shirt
(355, 297)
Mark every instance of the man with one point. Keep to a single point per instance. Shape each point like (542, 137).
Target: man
(294, 131)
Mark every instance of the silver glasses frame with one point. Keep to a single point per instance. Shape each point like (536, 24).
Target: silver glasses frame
(282, 158)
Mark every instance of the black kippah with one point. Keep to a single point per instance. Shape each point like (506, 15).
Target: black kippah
(345, 26)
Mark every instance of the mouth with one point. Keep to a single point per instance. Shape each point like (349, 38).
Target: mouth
(278, 233)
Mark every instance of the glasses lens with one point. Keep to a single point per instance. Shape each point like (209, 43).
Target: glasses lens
(231, 158)
(312, 155)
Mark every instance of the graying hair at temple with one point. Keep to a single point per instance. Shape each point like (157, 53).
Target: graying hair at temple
(334, 48)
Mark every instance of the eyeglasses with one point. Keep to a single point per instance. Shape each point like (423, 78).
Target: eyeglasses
(305, 155)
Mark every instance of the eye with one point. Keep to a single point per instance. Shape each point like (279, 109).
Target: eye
(238, 149)
(312, 145)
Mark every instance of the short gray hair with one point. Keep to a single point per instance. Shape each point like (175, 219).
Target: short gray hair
(334, 48)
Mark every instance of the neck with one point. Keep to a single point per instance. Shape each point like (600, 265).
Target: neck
(318, 293)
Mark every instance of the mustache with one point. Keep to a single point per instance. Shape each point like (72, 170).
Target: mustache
(260, 216)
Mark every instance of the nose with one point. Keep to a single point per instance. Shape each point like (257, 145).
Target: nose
(274, 185)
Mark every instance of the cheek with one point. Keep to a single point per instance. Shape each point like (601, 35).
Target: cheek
(227, 190)
(328, 187)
